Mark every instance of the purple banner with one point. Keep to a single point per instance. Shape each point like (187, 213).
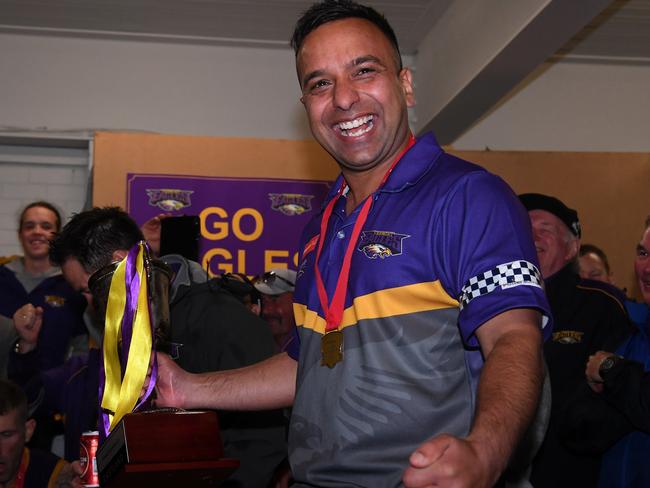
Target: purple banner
(247, 225)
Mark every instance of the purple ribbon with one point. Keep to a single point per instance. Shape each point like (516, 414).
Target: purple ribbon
(132, 282)
(131, 305)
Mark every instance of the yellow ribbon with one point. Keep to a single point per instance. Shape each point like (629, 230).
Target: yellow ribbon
(121, 394)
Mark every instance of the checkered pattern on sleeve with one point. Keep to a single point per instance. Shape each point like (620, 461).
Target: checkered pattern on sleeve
(505, 275)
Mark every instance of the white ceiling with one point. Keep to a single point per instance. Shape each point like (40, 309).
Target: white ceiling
(618, 34)
(241, 22)
(622, 31)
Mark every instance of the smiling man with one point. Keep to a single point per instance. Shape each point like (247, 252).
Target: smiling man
(623, 380)
(417, 277)
(587, 317)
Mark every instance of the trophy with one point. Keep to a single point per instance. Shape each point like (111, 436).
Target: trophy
(142, 446)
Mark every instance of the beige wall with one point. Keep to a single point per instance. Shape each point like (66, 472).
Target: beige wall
(116, 154)
(610, 191)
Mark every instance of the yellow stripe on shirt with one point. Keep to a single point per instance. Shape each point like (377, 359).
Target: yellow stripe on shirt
(419, 297)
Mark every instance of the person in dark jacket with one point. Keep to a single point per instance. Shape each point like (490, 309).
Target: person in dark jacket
(211, 328)
(21, 466)
(587, 317)
(622, 379)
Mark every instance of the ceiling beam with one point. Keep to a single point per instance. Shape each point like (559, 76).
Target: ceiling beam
(477, 53)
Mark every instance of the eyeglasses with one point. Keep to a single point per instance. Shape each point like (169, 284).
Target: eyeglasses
(269, 278)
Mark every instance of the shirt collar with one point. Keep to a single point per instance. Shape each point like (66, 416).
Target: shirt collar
(414, 164)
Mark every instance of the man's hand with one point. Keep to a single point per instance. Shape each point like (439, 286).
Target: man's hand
(151, 231)
(592, 371)
(266, 385)
(70, 476)
(27, 321)
(446, 461)
(510, 382)
(170, 383)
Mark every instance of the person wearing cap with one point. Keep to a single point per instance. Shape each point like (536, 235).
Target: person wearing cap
(587, 317)
(277, 287)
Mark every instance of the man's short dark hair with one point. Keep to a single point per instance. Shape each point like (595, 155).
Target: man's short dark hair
(43, 204)
(12, 397)
(91, 237)
(330, 10)
(591, 249)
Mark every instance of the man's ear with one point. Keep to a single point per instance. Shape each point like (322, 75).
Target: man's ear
(574, 247)
(119, 254)
(30, 425)
(406, 80)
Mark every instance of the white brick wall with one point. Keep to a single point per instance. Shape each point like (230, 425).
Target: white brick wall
(22, 183)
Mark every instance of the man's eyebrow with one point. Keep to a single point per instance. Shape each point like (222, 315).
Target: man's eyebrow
(310, 76)
(368, 58)
(355, 62)
(640, 247)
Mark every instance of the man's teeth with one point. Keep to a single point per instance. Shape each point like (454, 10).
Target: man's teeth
(347, 127)
(353, 124)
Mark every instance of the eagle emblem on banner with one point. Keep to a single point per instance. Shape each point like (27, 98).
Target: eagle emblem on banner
(169, 200)
(290, 203)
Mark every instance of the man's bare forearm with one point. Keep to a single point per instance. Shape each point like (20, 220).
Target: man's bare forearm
(510, 386)
(265, 385)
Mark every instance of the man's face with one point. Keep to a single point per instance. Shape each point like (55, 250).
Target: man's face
(642, 265)
(555, 248)
(77, 277)
(277, 310)
(355, 99)
(12, 441)
(593, 268)
(36, 230)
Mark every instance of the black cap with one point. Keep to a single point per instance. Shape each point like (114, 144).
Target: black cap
(537, 201)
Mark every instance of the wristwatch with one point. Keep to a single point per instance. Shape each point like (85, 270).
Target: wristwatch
(607, 364)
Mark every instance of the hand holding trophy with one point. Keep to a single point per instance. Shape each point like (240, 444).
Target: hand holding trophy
(139, 443)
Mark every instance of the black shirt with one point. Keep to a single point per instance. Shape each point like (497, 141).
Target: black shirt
(587, 318)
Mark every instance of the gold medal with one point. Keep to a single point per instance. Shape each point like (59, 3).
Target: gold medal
(331, 346)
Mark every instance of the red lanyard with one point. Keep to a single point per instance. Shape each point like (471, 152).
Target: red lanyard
(22, 470)
(334, 312)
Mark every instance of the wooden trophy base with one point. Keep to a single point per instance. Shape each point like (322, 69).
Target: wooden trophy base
(164, 449)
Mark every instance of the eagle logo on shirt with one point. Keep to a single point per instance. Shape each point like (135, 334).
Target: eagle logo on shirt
(290, 203)
(169, 200)
(54, 301)
(568, 337)
(381, 244)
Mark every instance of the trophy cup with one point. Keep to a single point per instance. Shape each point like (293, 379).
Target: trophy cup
(141, 446)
